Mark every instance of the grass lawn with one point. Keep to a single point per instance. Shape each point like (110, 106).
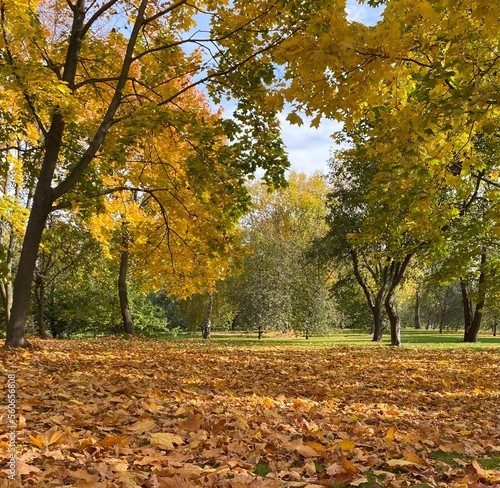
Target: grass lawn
(234, 412)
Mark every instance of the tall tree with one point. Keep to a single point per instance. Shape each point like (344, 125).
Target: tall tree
(86, 72)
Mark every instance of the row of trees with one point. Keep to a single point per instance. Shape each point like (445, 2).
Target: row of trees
(303, 265)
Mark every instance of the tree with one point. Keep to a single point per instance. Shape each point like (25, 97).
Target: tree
(84, 74)
(360, 231)
(282, 287)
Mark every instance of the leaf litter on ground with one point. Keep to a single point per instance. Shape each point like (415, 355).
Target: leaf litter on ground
(152, 413)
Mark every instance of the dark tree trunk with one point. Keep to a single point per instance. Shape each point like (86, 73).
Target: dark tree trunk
(45, 195)
(40, 302)
(494, 328)
(378, 325)
(206, 328)
(24, 276)
(394, 320)
(397, 272)
(128, 323)
(417, 322)
(473, 317)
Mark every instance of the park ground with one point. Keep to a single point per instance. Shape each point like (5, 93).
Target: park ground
(235, 412)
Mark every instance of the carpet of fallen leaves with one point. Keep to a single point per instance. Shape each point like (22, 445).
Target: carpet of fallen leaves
(152, 413)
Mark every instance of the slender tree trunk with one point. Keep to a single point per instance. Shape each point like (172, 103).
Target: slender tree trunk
(378, 325)
(494, 328)
(6, 290)
(128, 323)
(417, 322)
(466, 303)
(206, 328)
(9, 240)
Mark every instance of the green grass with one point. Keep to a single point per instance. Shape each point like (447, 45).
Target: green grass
(409, 337)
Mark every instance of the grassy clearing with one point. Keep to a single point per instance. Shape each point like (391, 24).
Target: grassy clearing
(410, 338)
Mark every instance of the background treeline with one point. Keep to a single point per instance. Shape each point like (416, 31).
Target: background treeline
(297, 269)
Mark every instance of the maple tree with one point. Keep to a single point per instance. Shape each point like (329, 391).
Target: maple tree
(143, 412)
(81, 74)
(175, 206)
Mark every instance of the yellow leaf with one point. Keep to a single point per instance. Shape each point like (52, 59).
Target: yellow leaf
(347, 445)
(143, 425)
(316, 446)
(51, 436)
(412, 457)
(22, 422)
(37, 441)
(267, 402)
(399, 462)
(390, 434)
(165, 440)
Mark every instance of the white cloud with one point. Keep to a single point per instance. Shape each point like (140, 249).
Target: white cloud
(363, 13)
(308, 148)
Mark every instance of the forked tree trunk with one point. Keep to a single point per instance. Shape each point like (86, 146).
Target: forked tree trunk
(374, 302)
(397, 272)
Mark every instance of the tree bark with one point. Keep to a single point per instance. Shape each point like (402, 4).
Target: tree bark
(394, 320)
(397, 272)
(473, 319)
(40, 302)
(128, 323)
(206, 328)
(417, 322)
(24, 276)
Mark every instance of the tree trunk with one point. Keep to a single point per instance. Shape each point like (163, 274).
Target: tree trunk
(417, 322)
(473, 318)
(394, 320)
(6, 291)
(397, 272)
(128, 323)
(378, 325)
(45, 195)
(374, 303)
(494, 328)
(26, 268)
(466, 303)
(206, 328)
(40, 302)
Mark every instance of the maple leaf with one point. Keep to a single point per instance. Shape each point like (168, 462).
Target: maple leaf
(165, 440)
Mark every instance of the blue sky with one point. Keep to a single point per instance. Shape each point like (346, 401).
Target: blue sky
(308, 148)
